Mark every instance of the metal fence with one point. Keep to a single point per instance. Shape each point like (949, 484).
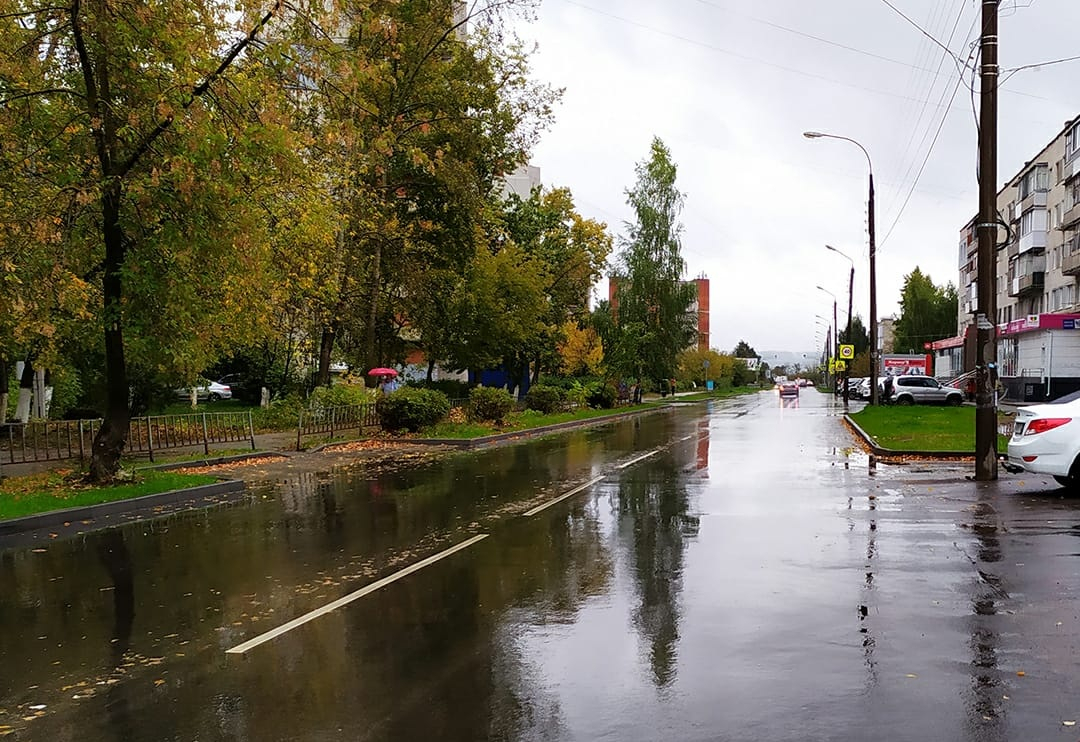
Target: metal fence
(333, 420)
(58, 440)
(46, 440)
(159, 432)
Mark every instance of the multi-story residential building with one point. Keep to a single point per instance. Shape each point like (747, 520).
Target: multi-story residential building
(1037, 264)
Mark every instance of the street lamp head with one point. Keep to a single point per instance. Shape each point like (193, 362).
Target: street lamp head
(812, 134)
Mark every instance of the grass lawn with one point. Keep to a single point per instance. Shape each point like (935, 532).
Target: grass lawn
(717, 394)
(922, 428)
(518, 421)
(60, 489)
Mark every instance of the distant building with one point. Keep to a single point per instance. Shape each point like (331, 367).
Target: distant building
(700, 306)
(522, 181)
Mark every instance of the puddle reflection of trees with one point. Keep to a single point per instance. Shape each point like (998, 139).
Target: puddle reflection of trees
(655, 525)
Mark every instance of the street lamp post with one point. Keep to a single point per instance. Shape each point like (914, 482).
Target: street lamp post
(836, 330)
(850, 293)
(873, 261)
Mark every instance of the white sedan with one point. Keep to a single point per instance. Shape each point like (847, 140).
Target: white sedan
(1046, 440)
(209, 391)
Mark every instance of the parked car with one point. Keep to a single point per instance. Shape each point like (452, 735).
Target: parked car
(916, 389)
(864, 388)
(206, 391)
(1046, 440)
(239, 386)
(789, 389)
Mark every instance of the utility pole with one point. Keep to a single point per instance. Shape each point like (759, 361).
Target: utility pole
(986, 468)
(847, 372)
(874, 360)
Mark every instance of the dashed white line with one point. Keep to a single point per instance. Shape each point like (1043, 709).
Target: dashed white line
(562, 497)
(639, 458)
(687, 437)
(377, 585)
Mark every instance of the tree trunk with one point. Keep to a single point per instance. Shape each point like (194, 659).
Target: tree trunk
(431, 370)
(373, 305)
(4, 389)
(112, 437)
(326, 346)
(536, 371)
(26, 392)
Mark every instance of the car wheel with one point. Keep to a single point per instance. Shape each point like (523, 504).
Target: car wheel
(954, 401)
(214, 397)
(1068, 483)
(905, 401)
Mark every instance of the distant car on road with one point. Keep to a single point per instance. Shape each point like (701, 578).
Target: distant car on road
(915, 389)
(789, 389)
(1046, 440)
(205, 391)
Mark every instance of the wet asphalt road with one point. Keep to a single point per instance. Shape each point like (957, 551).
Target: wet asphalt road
(734, 572)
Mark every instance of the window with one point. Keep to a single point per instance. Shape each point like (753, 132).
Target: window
(1072, 142)
(1007, 356)
(1027, 221)
(1036, 179)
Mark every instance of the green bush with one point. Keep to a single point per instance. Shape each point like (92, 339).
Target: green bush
(341, 395)
(601, 395)
(410, 408)
(282, 414)
(489, 403)
(546, 399)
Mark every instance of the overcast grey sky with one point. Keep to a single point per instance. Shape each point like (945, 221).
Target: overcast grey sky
(731, 85)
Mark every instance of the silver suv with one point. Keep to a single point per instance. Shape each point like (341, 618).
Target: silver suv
(923, 390)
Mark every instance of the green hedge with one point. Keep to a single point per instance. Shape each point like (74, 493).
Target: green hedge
(546, 399)
(411, 409)
(489, 403)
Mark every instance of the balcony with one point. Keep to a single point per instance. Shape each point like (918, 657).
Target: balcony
(1071, 217)
(1031, 283)
(1070, 257)
(1035, 199)
(1070, 264)
(1034, 240)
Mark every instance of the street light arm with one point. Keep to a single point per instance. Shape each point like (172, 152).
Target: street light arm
(821, 135)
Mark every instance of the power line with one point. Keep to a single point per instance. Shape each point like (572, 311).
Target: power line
(922, 167)
(729, 52)
(923, 31)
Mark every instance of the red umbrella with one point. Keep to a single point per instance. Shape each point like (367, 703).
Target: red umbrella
(382, 372)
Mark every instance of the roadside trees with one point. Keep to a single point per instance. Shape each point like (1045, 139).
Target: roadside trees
(652, 321)
(148, 140)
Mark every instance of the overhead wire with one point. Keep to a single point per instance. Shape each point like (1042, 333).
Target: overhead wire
(917, 125)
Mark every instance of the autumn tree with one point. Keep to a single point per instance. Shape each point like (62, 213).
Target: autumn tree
(581, 350)
(927, 312)
(572, 252)
(421, 108)
(652, 321)
(153, 146)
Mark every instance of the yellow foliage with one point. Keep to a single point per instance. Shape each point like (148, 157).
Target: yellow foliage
(582, 352)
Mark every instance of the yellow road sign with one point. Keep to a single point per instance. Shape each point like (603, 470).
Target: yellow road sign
(847, 352)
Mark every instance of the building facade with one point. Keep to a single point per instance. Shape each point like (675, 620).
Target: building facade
(1037, 264)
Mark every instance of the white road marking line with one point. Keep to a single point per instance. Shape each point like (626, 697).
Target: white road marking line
(687, 438)
(560, 498)
(639, 458)
(284, 628)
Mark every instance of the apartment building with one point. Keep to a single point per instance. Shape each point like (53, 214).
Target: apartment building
(699, 308)
(1037, 264)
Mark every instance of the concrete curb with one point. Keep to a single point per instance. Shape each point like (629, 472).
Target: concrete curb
(215, 461)
(892, 453)
(92, 512)
(528, 433)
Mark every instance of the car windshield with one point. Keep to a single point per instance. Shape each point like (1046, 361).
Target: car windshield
(1067, 398)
